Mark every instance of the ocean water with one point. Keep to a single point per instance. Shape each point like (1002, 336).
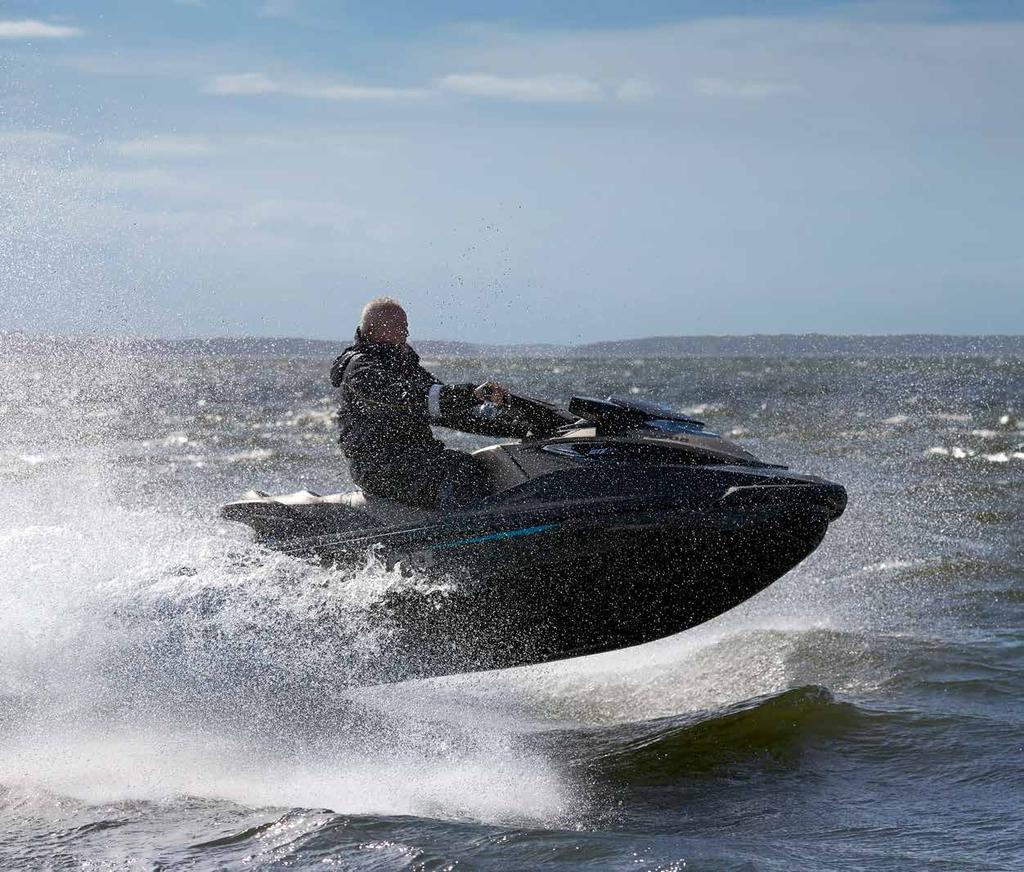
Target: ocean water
(173, 696)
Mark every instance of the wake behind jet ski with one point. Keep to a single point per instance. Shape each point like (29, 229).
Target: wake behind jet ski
(609, 524)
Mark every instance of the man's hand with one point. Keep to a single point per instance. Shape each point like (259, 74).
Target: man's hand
(491, 392)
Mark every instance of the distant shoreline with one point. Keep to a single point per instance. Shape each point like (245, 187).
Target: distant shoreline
(754, 345)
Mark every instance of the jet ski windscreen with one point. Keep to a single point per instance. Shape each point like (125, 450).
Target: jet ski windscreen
(618, 415)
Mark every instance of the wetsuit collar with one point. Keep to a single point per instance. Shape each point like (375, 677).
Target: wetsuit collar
(405, 353)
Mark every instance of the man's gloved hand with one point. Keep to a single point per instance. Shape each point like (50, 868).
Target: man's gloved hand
(491, 392)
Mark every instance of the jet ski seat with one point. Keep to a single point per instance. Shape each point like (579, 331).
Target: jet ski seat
(383, 510)
(380, 509)
(499, 465)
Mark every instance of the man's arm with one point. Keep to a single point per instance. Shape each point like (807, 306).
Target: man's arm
(451, 405)
(383, 389)
(447, 405)
(418, 395)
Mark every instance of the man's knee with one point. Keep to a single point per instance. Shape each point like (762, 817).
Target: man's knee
(445, 479)
(464, 481)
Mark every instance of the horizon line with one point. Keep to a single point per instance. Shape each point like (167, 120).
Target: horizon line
(146, 337)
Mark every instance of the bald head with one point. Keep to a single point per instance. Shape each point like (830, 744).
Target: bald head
(384, 320)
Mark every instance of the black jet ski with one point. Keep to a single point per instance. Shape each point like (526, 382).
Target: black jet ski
(610, 524)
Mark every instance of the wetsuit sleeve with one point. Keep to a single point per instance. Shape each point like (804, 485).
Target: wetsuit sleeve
(447, 405)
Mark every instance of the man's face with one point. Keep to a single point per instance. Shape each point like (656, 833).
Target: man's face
(392, 327)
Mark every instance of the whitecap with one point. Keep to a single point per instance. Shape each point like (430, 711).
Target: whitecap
(956, 452)
(36, 459)
(702, 409)
(255, 455)
(312, 418)
(889, 565)
(13, 464)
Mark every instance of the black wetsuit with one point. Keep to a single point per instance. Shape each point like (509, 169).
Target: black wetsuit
(388, 404)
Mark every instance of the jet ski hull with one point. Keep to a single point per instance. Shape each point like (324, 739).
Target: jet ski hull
(569, 598)
(570, 581)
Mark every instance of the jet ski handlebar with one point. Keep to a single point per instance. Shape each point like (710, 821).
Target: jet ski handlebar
(525, 417)
(517, 418)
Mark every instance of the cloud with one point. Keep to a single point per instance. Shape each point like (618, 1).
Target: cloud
(159, 181)
(278, 9)
(242, 84)
(31, 28)
(358, 92)
(635, 91)
(165, 147)
(254, 84)
(33, 140)
(531, 89)
(555, 88)
(128, 62)
(710, 86)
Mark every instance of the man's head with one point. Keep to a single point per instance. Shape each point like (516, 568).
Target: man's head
(384, 320)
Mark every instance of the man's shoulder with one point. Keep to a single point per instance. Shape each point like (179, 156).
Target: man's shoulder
(345, 363)
(365, 359)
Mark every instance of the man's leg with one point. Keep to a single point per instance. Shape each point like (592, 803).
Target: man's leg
(463, 483)
(408, 479)
(429, 479)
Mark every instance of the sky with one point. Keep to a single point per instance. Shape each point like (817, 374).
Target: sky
(522, 171)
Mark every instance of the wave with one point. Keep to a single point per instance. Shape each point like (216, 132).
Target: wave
(146, 654)
(19, 463)
(781, 731)
(151, 653)
(770, 728)
(958, 452)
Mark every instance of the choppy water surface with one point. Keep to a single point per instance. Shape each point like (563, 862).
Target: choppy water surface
(173, 696)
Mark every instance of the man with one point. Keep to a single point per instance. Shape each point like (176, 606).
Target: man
(388, 404)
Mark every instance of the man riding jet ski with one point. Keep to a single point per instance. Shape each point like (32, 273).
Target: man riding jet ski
(388, 404)
(608, 524)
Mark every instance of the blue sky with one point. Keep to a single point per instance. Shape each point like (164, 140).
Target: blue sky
(529, 171)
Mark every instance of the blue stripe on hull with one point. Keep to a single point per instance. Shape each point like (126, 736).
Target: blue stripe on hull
(494, 537)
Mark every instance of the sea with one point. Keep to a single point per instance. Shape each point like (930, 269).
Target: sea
(174, 695)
